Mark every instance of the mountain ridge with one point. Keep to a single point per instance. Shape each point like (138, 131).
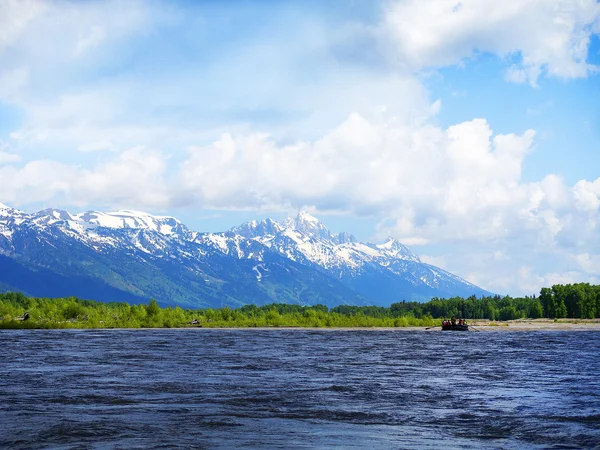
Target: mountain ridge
(297, 260)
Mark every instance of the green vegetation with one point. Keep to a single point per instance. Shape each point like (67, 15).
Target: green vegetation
(577, 301)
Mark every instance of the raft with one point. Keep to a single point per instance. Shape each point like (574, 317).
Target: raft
(455, 327)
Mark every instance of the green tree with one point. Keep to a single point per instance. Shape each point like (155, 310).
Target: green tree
(547, 300)
(536, 311)
(560, 311)
(490, 311)
(152, 309)
(508, 313)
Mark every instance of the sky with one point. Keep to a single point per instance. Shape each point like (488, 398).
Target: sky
(469, 130)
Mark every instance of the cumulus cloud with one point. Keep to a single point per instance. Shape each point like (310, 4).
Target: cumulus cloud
(425, 177)
(545, 37)
(587, 195)
(131, 179)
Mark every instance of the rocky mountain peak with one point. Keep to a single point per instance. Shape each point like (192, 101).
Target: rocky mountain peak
(257, 228)
(308, 225)
(345, 238)
(394, 248)
(6, 210)
(51, 215)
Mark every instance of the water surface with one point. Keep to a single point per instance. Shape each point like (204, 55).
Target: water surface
(200, 388)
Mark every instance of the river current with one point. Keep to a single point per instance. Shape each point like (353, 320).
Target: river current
(201, 388)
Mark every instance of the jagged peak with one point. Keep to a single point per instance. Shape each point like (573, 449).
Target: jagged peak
(395, 247)
(256, 228)
(6, 210)
(9, 208)
(344, 238)
(308, 225)
(389, 242)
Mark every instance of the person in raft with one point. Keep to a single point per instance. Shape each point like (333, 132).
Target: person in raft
(447, 323)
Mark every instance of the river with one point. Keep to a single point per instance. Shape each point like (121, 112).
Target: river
(201, 388)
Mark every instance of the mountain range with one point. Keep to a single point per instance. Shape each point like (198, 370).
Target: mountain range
(134, 256)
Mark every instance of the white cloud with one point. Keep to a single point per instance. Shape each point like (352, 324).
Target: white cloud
(548, 36)
(133, 178)
(587, 195)
(426, 178)
(36, 181)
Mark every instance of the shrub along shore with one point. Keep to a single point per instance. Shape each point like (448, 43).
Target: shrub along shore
(573, 301)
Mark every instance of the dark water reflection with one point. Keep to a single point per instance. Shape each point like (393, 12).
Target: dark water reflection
(298, 389)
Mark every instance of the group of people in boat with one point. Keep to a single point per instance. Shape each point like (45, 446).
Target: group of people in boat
(453, 322)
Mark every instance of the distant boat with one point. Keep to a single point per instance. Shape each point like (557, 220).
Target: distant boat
(455, 327)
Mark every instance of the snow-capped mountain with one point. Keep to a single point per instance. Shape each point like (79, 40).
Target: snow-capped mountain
(306, 239)
(132, 256)
(378, 271)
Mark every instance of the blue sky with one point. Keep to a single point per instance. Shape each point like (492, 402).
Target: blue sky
(468, 129)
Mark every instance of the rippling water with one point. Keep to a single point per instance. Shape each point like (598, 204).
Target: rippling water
(201, 388)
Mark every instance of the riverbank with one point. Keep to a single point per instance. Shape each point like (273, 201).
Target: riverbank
(536, 325)
(475, 325)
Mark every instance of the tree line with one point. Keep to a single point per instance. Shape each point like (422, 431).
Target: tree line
(576, 301)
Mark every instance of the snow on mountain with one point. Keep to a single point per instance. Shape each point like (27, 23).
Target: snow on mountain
(257, 228)
(5, 210)
(10, 214)
(123, 219)
(302, 239)
(9, 219)
(307, 225)
(131, 231)
(307, 240)
(132, 219)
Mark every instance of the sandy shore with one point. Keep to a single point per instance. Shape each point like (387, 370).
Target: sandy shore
(536, 325)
